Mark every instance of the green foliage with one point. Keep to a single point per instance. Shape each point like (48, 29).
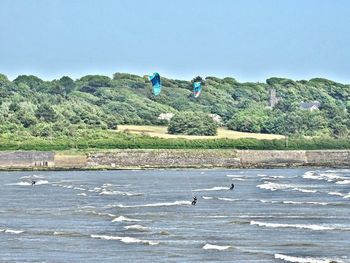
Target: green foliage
(192, 123)
(249, 120)
(42, 138)
(67, 107)
(45, 112)
(33, 82)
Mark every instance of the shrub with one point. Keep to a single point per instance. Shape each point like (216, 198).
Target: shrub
(192, 123)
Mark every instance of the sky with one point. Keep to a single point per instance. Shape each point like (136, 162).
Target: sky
(250, 40)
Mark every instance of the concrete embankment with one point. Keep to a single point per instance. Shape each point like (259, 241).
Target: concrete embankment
(132, 159)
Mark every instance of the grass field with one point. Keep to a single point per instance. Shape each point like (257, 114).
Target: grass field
(161, 131)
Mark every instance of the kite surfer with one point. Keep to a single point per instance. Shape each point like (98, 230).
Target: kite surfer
(194, 200)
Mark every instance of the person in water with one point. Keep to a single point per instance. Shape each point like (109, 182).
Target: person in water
(33, 182)
(194, 200)
(232, 186)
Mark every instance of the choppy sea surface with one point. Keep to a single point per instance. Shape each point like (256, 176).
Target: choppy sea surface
(274, 215)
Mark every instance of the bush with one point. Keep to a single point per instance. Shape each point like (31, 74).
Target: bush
(192, 123)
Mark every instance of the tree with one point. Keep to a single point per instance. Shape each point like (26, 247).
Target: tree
(192, 123)
(32, 81)
(249, 120)
(198, 79)
(91, 83)
(42, 130)
(46, 113)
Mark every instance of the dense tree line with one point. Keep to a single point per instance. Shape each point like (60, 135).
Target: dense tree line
(67, 107)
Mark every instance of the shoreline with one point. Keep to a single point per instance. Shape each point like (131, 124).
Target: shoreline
(142, 159)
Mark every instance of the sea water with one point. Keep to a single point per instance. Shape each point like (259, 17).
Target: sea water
(272, 215)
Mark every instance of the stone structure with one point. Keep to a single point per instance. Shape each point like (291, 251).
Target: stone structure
(273, 99)
(311, 106)
(218, 158)
(26, 159)
(164, 158)
(131, 159)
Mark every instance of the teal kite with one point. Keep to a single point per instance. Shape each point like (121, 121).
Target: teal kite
(155, 79)
(197, 87)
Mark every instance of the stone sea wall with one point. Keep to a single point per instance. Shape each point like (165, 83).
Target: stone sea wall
(133, 159)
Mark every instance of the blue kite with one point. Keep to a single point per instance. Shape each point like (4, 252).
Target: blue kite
(155, 79)
(197, 87)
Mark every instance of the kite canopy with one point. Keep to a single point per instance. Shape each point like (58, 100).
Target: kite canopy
(197, 87)
(155, 79)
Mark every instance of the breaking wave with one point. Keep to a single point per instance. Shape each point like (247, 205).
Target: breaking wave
(343, 182)
(293, 202)
(11, 231)
(123, 218)
(329, 177)
(126, 240)
(275, 186)
(155, 204)
(137, 227)
(307, 259)
(216, 188)
(220, 198)
(299, 226)
(23, 183)
(106, 192)
(209, 246)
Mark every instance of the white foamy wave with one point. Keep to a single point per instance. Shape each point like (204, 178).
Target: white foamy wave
(220, 198)
(336, 193)
(41, 182)
(123, 218)
(307, 259)
(301, 203)
(261, 175)
(82, 194)
(103, 214)
(58, 233)
(272, 177)
(21, 183)
(346, 196)
(329, 177)
(216, 188)
(155, 204)
(216, 247)
(275, 186)
(304, 190)
(106, 192)
(234, 175)
(227, 199)
(79, 188)
(300, 226)
(343, 182)
(125, 239)
(135, 240)
(137, 227)
(268, 201)
(12, 231)
(32, 176)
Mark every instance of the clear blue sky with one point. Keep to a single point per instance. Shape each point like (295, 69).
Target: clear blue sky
(250, 40)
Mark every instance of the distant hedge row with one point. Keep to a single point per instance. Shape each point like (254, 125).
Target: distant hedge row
(144, 142)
